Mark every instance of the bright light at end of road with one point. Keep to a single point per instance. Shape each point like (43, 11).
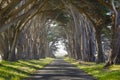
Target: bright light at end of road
(61, 51)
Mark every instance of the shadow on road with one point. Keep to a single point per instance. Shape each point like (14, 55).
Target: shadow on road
(60, 70)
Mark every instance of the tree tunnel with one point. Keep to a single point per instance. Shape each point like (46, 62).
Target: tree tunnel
(31, 29)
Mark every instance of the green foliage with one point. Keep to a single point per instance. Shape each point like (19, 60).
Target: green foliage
(20, 69)
(113, 73)
(61, 16)
(107, 32)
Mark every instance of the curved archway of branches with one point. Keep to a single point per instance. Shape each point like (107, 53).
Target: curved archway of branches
(26, 31)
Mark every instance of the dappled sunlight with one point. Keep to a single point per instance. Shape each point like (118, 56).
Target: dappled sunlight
(21, 69)
(84, 32)
(97, 70)
(115, 67)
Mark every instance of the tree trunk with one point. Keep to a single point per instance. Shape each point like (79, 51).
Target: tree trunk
(12, 56)
(115, 53)
(100, 55)
(115, 43)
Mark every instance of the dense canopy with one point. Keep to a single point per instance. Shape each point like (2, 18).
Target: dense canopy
(89, 29)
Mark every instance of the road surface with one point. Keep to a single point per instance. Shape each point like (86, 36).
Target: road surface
(60, 70)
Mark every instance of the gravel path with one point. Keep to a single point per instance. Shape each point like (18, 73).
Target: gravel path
(60, 70)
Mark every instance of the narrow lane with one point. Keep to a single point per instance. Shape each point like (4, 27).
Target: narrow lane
(60, 70)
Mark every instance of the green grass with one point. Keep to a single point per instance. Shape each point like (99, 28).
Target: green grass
(113, 73)
(21, 69)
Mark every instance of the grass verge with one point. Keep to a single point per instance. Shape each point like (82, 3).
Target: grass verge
(21, 69)
(113, 73)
